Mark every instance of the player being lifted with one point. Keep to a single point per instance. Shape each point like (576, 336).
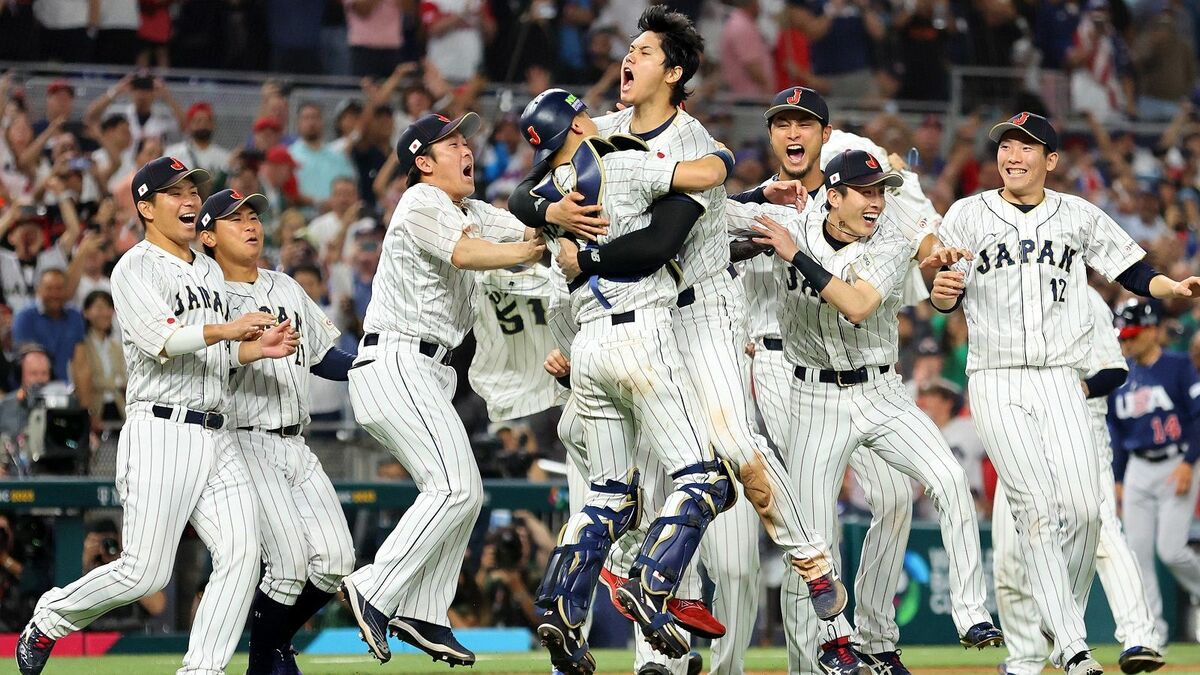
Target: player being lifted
(1017, 261)
(306, 544)
(177, 464)
(707, 319)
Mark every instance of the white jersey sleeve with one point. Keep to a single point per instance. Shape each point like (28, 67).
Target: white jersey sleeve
(496, 224)
(885, 261)
(1109, 250)
(433, 232)
(142, 299)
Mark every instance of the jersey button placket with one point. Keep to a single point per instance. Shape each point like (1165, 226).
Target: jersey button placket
(1031, 310)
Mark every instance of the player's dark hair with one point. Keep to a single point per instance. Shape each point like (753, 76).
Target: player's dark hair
(311, 269)
(840, 189)
(414, 173)
(682, 45)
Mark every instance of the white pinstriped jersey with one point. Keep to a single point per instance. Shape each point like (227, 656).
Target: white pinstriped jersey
(417, 292)
(632, 181)
(273, 393)
(814, 333)
(1102, 349)
(513, 337)
(705, 252)
(1026, 290)
(156, 294)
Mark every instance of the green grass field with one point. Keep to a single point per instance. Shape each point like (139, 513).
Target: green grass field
(1182, 658)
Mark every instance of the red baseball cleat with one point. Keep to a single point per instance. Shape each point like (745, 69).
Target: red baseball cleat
(612, 582)
(695, 617)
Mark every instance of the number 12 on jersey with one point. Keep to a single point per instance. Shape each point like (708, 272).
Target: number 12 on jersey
(1058, 289)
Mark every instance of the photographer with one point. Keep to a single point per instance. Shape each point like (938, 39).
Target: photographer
(13, 606)
(507, 577)
(25, 415)
(101, 546)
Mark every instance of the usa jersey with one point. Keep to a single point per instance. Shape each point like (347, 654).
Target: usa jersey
(705, 252)
(1026, 290)
(156, 294)
(273, 393)
(417, 291)
(1156, 408)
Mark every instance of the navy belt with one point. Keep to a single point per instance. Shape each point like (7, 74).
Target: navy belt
(208, 420)
(773, 344)
(290, 430)
(623, 317)
(843, 378)
(688, 295)
(1160, 454)
(426, 348)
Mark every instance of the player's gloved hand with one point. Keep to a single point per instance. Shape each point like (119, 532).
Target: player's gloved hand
(946, 256)
(776, 236)
(247, 326)
(280, 341)
(948, 285)
(786, 193)
(568, 258)
(583, 221)
(557, 364)
(1181, 479)
(1188, 288)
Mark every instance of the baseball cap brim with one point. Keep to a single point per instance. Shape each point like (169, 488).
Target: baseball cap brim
(1000, 129)
(890, 179)
(256, 201)
(468, 124)
(776, 109)
(198, 176)
(1129, 332)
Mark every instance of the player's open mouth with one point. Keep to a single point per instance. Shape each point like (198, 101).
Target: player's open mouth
(626, 78)
(469, 170)
(189, 218)
(1016, 171)
(795, 152)
(252, 240)
(871, 217)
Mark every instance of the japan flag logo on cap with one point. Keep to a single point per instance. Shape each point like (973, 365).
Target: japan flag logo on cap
(414, 146)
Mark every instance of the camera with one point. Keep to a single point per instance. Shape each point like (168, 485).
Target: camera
(507, 543)
(110, 547)
(79, 164)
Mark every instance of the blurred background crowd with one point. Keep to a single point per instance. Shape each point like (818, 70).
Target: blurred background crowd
(92, 89)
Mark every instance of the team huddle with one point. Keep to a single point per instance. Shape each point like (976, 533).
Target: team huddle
(663, 303)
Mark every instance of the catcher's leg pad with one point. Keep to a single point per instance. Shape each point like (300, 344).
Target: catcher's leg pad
(574, 566)
(702, 491)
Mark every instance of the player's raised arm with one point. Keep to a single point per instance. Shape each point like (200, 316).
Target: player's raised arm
(705, 173)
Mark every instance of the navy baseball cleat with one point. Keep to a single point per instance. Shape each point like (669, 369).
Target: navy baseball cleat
(695, 663)
(982, 635)
(1083, 664)
(1141, 660)
(650, 613)
(884, 663)
(372, 623)
(33, 650)
(285, 661)
(838, 658)
(436, 641)
(568, 649)
(828, 595)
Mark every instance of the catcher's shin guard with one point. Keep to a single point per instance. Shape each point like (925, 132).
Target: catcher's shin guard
(612, 509)
(702, 491)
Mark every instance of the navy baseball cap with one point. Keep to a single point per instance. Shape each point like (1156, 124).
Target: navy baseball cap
(547, 119)
(160, 174)
(430, 129)
(224, 203)
(802, 99)
(1135, 316)
(1034, 126)
(858, 168)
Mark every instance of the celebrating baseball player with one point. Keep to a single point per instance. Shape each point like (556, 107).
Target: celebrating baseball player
(306, 545)
(1017, 259)
(401, 386)
(1115, 562)
(1154, 416)
(840, 328)
(175, 463)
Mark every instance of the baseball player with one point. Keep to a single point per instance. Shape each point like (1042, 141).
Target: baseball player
(1154, 421)
(306, 544)
(422, 305)
(802, 140)
(1115, 562)
(625, 381)
(839, 332)
(175, 464)
(1018, 257)
(708, 316)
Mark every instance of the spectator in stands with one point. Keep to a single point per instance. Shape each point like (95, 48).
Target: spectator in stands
(16, 605)
(1165, 64)
(375, 34)
(335, 53)
(793, 54)
(197, 149)
(87, 269)
(115, 25)
(114, 157)
(506, 158)
(274, 103)
(277, 180)
(345, 124)
(351, 277)
(372, 148)
(51, 323)
(455, 32)
(573, 26)
(954, 346)
(923, 31)
(1054, 27)
(56, 172)
(927, 364)
(320, 165)
(64, 34)
(1101, 83)
(145, 118)
(60, 105)
(294, 31)
(154, 32)
(268, 133)
(942, 401)
(102, 545)
(344, 213)
(34, 368)
(842, 34)
(20, 268)
(746, 68)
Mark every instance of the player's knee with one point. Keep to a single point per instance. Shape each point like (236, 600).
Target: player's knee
(892, 505)
(1173, 551)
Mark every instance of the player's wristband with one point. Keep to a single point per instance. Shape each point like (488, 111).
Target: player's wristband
(810, 269)
(726, 158)
(589, 261)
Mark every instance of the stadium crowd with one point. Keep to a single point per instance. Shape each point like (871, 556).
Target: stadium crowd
(66, 165)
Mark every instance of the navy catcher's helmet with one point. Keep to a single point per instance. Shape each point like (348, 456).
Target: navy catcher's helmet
(547, 119)
(1135, 316)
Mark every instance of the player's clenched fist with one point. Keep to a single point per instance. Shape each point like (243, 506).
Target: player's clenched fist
(944, 257)
(557, 364)
(948, 286)
(247, 327)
